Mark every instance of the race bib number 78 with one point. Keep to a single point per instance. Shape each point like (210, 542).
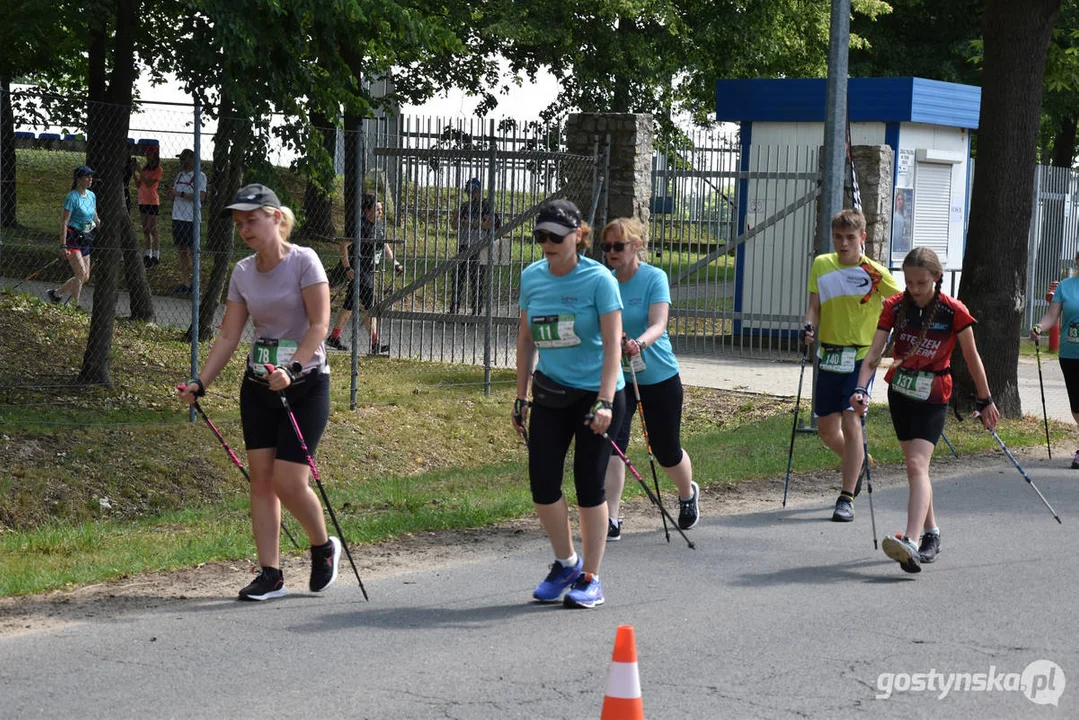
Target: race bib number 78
(268, 351)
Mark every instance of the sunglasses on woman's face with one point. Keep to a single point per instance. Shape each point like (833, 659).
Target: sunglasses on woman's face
(613, 247)
(542, 236)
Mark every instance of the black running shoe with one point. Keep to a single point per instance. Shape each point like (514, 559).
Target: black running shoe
(614, 530)
(334, 343)
(147, 261)
(903, 551)
(844, 510)
(1075, 461)
(929, 547)
(324, 565)
(269, 583)
(377, 349)
(54, 297)
(689, 511)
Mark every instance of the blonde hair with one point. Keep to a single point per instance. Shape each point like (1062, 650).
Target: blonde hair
(849, 219)
(630, 229)
(585, 240)
(288, 220)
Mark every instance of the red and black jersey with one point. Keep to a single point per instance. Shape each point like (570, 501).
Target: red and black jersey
(934, 353)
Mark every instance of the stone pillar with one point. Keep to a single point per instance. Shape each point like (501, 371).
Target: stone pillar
(629, 179)
(873, 164)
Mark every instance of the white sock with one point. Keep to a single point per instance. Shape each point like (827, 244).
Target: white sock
(157, 254)
(569, 562)
(931, 531)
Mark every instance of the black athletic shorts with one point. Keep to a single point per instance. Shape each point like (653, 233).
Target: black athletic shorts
(148, 209)
(78, 240)
(916, 420)
(367, 291)
(183, 233)
(662, 404)
(267, 425)
(1070, 368)
(549, 434)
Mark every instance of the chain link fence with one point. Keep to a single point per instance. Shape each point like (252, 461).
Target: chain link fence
(448, 294)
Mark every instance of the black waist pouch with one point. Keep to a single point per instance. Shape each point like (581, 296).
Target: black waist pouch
(552, 394)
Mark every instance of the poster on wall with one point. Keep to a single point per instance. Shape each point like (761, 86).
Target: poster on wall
(903, 205)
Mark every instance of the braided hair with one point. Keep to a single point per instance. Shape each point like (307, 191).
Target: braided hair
(926, 259)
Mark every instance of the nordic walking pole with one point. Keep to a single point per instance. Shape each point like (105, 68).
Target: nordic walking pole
(1021, 470)
(1041, 384)
(797, 402)
(235, 460)
(948, 443)
(648, 490)
(318, 482)
(869, 482)
(33, 275)
(648, 443)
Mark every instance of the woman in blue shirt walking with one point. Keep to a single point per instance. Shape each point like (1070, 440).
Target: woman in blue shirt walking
(1064, 309)
(78, 222)
(646, 301)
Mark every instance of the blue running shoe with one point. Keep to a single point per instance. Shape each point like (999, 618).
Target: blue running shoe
(586, 592)
(557, 581)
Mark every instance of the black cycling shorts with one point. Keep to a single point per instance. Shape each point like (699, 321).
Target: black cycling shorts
(267, 425)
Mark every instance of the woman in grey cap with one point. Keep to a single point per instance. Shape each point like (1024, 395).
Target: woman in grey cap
(283, 289)
(78, 222)
(571, 313)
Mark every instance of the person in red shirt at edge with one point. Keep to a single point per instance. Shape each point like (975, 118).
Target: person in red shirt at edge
(926, 323)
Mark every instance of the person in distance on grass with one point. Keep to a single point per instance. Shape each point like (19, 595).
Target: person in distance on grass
(283, 289)
(1064, 308)
(79, 219)
(150, 205)
(372, 231)
(646, 300)
(572, 314)
(926, 324)
(846, 289)
(183, 195)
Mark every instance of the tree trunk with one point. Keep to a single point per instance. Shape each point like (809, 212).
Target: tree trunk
(1016, 37)
(8, 193)
(230, 141)
(318, 195)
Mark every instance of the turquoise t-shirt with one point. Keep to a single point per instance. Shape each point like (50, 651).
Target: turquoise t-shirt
(563, 313)
(648, 286)
(1067, 295)
(83, 208)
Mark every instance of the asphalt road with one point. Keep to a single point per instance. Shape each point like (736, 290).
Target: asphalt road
(777, 614)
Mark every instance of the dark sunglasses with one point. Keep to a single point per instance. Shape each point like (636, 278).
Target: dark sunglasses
(615, 246)
(542, 236)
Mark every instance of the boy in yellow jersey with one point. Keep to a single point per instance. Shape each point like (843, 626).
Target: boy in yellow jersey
(846, 292)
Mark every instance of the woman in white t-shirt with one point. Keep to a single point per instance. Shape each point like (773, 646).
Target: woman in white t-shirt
(283, 289)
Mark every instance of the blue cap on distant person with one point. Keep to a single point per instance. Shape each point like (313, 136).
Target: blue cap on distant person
(473, 183)
(558, 216)
(252, 197)
(83, 171)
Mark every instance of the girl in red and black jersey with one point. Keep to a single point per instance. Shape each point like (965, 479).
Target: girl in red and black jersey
(926, 325)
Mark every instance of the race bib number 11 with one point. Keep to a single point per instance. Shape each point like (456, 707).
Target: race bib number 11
(554, 331)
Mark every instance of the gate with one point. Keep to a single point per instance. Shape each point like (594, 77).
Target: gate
(734, 228)
(457, 299)
(1054, 235)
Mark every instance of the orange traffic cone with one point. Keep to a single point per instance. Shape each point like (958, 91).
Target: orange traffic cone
(623, 698)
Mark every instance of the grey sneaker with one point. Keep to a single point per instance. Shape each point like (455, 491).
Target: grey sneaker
(844, 510)
(614, 530)
(929, 547)
(903, 551)
(1075, 461)
(689, 511)
(55, 298)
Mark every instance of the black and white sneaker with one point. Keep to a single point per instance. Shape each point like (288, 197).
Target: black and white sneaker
(269, 583)
(334, 343)
(53, 296)
(929, 547)
(844, 510)
(377, 349)
(689, 511)
(614, 530)
(903, 550)
(324, 565)
(1075, 461)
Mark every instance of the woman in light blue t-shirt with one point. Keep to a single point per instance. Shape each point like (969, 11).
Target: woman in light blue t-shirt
(1064, 308)
(572, 315)
(647, 354)
(79, 219)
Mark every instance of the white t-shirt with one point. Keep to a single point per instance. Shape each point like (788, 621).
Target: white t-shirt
(183, 208)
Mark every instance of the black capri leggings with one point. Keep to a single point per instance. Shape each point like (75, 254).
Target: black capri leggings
(267, 425)
(549, 434)
(662, 404)
(1070, 368)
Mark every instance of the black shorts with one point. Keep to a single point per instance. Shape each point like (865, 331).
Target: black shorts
(183, 233)
(267, 425)
(148, 209)
(367, 291)
(915, 420)
(1070, 368)
(662, 404)
(549, 434)
(78, 240)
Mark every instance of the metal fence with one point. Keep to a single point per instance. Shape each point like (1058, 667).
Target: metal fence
(1054, 235)
(454, 297)
(735, 232)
